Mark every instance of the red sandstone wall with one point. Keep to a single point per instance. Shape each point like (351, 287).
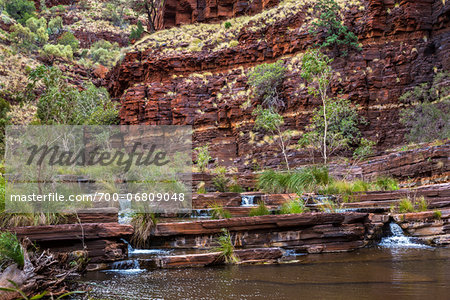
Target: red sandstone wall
(179, 12)
(402, 47)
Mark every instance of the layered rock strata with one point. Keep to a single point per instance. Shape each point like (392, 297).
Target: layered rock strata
(403, 45)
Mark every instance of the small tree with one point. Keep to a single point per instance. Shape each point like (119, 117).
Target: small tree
(316, 69)
(153, 9)
(329, 21)
(203, 157)
(271, 121)
(334, 125)
(266, 79)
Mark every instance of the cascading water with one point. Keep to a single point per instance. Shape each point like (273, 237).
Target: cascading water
(248, 200)
(398, 239)
(128, 266)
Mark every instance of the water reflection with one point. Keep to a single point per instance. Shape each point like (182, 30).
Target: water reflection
(372, 273)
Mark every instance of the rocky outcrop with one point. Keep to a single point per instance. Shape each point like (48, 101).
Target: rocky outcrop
(424, 165)
(102, 241)
(437, 196)
(402, 46)
(307, 232)
(431, 227)
(175, 12)
(244, 256)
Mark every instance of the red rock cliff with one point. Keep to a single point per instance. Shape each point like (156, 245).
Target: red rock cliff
(160, 82)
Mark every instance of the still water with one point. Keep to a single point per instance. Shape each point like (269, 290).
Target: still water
(370, 273)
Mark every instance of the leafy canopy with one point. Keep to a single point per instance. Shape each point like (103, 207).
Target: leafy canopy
(330, 22)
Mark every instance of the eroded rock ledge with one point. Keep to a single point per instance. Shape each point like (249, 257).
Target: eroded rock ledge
(307, 232)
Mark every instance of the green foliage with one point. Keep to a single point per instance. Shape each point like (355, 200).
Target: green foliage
(221, 181)
(405, 205)
(293, 207)
(309, 178)
(408, 204)
(55, 25)
(385, 183)
(68, 39)
(429, 117)
(422, 204)
(30, 36)
(218, 212)
(143, 224)
(104, 53)
(260, 210)
(61, 103)
(334, 125)
(437, 214)
(226, 247)
(266, 79)
(203, 157)
(137, 32)
(235, 188)
(227, 25)
(329, 21)
(269, 120)
(52, 51)
(4, 120)
(20, 10)
(11, 250)
(364, 150)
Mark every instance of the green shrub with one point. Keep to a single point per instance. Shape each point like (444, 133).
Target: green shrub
(20, 10)
(11, 250)
(221, 182)
(364, 150)
(55, 25)
(329, 21)
(293, 207)
(137, 32)
(68, 39)
(226, 247)
(437, 214)
(266, 79)
(385, 183)
(203, 157)
(143, 223)
(104, 52)
(235, 188)
(260, 210)
(30, 36)
(405, 205)
(61, 103)
(227, 25)
(53, 51)
(422, 204)
(270, 120)
(429, 117)
(218, 212)
(309, 178)
(23, 37)
(4, 120)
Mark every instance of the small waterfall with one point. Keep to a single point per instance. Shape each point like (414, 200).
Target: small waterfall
(248, 200)
(126, 266)
(398, 239)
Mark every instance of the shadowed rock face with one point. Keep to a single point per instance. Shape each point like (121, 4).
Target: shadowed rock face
(402, 47)
(176, 12)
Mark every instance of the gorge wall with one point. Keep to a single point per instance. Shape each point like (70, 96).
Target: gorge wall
(176, 12)
(179, 76)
